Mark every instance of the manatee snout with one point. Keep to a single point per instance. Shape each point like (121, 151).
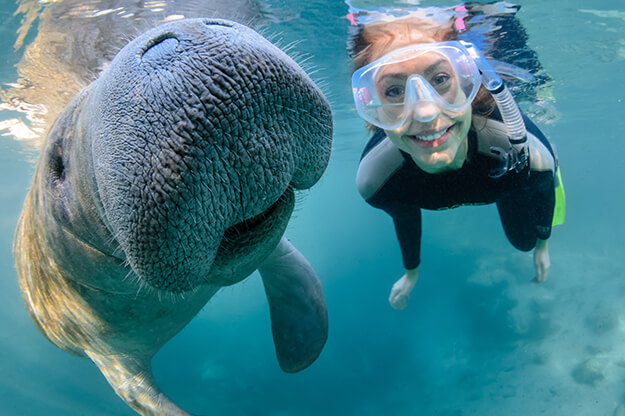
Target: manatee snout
(203, 131)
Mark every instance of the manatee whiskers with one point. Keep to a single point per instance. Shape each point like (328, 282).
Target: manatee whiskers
(273, 36)
(145, 289)
(320, 81)
(292, 113)
(289, 47)
(304, 59)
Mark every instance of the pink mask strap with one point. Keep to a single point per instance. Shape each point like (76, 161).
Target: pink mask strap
(460, 26)
(352, 19)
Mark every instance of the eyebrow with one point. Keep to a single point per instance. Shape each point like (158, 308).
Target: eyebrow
(432, 68)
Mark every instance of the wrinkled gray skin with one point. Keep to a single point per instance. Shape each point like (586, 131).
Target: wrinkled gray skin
(170, 176)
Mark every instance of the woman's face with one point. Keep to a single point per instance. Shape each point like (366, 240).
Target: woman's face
(435, 137)
(437, 145)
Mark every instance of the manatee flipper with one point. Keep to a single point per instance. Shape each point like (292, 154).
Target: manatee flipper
(132, 380)
(299, 318)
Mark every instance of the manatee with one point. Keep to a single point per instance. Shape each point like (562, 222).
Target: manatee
(172, 175)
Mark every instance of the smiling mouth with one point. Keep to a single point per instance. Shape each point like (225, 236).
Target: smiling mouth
(432, 140)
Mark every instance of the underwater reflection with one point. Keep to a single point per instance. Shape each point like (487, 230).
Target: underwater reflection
(57, 64)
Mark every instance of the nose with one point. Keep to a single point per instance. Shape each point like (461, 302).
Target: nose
(421, 98)
(424, 111)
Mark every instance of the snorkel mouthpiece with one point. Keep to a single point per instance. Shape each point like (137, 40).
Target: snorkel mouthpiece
(517, 158)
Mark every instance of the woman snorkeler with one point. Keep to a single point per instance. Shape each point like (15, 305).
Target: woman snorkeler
(442, 139)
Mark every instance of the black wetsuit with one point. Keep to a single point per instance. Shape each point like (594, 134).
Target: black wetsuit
(525, 202)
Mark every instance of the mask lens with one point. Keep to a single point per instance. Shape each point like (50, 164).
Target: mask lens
(432, 67)
(441, 74)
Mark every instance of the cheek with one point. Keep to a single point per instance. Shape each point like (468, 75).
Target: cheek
(464, 122)
(395, 139)
(452, 95)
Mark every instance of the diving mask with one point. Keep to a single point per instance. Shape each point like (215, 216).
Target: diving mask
(417, 81)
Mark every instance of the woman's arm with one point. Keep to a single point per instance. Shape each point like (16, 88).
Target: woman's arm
(380, 162)
(541, 261)
(408, 230)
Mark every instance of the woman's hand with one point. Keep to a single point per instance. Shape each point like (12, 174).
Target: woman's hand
(541, 261)
(400, 293)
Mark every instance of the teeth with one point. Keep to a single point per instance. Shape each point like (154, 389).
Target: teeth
(432, 137)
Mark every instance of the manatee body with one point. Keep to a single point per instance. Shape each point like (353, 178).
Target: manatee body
(170, 176)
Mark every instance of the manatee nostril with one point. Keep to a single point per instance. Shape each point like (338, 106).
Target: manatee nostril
(160, 46)
(218, 22)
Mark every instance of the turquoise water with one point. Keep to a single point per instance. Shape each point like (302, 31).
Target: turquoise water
(477, 338)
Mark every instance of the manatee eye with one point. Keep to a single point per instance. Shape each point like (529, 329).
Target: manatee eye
(54, 177)
(56, 164)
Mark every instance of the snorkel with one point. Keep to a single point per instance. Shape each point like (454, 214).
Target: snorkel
(517, 158)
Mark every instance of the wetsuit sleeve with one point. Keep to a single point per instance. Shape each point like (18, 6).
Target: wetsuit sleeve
(379, 183)
(408, 231)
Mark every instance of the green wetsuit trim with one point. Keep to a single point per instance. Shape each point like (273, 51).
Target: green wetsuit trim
(560, 206)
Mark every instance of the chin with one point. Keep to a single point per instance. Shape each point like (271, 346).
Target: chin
(436, 162)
